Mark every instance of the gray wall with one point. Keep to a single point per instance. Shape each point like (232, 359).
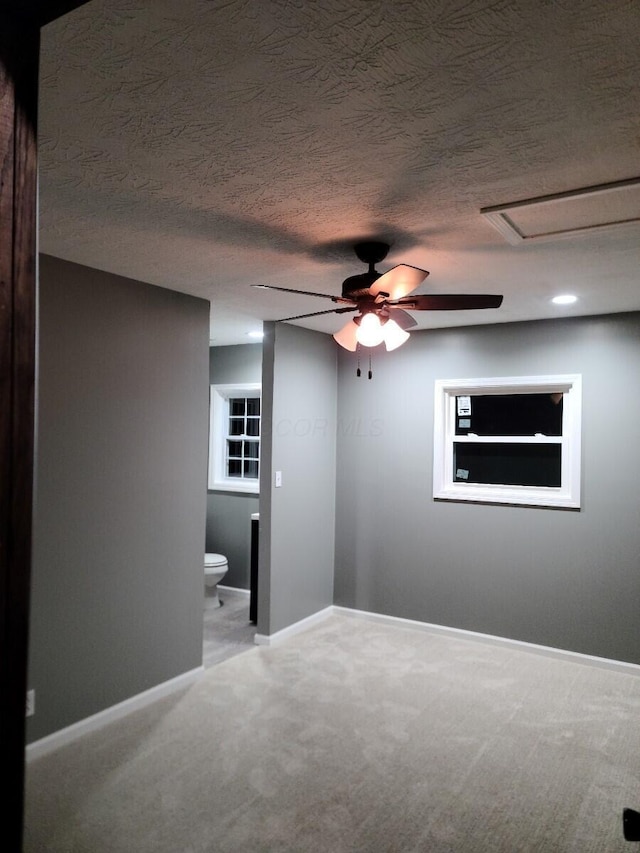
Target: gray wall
(229, 514)
(297, 520)
(119, 528)
(566, 579)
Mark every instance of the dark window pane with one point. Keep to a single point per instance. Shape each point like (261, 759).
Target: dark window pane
(251, 469)
(507, 464)
(511, 414)
(236, 426)
(236, 406)
(253, 426)
(234, 468)
(234, 448)
(253, 405)
(251, 449)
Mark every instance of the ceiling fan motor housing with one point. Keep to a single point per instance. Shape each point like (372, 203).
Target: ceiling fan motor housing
(358, 285)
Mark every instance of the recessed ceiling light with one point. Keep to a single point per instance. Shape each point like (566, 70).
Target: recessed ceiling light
(564, 299)
(259, 335)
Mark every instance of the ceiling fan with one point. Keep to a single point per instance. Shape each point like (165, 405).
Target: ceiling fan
(382, 301)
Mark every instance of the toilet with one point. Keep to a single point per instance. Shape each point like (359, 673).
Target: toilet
(215, 568)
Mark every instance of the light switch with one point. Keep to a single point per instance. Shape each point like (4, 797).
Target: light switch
(278, 479)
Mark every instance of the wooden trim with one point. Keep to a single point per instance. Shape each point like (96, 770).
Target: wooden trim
(20, 22)
(19, 48)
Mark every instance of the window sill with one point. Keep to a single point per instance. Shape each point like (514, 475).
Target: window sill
(243, 488)
(520, 496)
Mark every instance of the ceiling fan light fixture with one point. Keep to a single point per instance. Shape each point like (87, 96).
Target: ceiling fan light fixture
(384, 302)
(370, 331)
(393, 335)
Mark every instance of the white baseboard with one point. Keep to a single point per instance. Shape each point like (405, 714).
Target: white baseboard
(64, 736)
(296, 628)
(461, 633)
(67, 735)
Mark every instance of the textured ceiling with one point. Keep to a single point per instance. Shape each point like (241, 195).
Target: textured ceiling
(207, 145)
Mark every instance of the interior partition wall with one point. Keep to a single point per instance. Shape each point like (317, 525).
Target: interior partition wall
(297, 481)
(121, 475)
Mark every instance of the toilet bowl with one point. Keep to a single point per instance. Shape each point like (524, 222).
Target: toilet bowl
(215, 568)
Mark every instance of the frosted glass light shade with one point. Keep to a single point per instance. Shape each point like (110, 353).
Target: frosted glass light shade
(370, 333)
(374, 333)
(346, 337)
(393, 335)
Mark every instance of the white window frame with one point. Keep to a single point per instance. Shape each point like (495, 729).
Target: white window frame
(445, 487)
(218, 434)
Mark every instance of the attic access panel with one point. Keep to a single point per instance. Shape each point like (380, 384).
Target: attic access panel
(568, 214)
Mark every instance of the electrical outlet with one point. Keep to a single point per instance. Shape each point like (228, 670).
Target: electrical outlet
(31, 702)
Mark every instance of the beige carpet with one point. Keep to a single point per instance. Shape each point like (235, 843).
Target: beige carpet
(356, 736)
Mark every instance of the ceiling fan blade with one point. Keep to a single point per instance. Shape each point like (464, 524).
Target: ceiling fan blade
(404, 320)
(449, 302)
(304, 293)
(318, 313)
(399, 281)
(346, 337)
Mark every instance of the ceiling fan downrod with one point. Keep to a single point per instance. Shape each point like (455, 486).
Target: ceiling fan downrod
(370, 252)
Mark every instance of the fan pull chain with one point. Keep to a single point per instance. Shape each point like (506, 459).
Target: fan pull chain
(358, 371)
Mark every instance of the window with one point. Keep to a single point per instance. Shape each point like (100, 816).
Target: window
(509, 440)
(234, 438)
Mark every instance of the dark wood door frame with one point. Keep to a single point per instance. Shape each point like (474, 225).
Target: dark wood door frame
(20, 23)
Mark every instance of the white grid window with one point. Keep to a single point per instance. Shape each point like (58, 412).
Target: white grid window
(234, 438)
(242, 442)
